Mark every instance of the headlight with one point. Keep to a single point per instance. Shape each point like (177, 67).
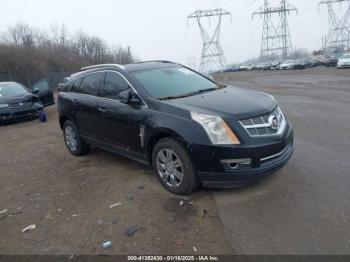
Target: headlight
(218, 131)
(3, 106)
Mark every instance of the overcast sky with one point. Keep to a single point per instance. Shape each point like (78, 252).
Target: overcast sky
(157, 29)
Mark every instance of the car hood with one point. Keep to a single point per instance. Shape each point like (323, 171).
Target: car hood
(16, 98)
(229, 102)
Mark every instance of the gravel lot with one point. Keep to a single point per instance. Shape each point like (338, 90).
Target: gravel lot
(303, 209)
(68, 199)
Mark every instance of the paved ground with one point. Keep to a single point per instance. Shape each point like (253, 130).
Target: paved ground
(304, 209)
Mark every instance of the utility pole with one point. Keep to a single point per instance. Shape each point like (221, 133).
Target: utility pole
(339, 29)
(212, 57)
(276, 38)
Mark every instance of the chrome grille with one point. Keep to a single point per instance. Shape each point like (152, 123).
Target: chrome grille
(261, 126)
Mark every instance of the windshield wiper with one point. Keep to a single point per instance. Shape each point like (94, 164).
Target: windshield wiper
(201, 91)
(170, 97)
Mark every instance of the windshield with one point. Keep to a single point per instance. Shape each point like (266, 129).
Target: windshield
(347, 56)
(173, 82)
(9, 89)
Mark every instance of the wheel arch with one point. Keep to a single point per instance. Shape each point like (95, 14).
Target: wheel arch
(159, 134)
(63, 119)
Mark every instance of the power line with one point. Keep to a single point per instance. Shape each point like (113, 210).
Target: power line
(276, 39)
(212, 57)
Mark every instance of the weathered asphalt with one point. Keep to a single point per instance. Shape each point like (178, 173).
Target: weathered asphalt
(304, 208)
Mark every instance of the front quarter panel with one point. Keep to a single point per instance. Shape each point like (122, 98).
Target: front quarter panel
(66, 106)
(175, 122)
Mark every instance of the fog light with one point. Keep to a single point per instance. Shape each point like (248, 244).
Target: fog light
(235, 163)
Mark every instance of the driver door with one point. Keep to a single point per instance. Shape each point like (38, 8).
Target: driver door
(121, 122)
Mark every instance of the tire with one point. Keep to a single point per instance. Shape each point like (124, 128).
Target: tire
(74, 143)
(165, 156)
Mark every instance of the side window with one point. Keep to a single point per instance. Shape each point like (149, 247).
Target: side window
(42, 85)
(90, 85)
(114, 84)
(76, 85)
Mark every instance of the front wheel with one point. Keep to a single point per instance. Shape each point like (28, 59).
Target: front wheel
(75, 144)
(173, 167)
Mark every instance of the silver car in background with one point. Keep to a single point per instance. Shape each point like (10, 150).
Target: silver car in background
(344, 61)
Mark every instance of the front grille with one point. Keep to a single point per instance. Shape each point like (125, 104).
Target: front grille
(24, 113)
(262, 125)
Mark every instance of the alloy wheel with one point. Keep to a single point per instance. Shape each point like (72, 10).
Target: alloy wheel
(169, 167)
(71, 138)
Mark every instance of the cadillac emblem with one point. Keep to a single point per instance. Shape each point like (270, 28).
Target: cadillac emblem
(274, 122)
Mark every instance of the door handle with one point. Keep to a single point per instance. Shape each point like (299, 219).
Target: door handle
(102, 109)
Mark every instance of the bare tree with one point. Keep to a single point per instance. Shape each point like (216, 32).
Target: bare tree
(33, 52)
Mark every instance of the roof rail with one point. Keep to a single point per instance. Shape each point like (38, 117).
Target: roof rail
(101, 65)
(156, 61)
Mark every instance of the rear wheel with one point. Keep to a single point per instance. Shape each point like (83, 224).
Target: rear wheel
(173, 167)
(75, 144)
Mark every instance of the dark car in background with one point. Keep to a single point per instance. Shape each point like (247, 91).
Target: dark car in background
(330, 61)
(43, 90)
(17, 102)
(310, 62)
(293, 64)
(190, 129)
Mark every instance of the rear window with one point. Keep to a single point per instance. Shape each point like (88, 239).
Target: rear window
(42, 85)
(90, 85)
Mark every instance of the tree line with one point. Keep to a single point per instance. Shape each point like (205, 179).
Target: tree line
(33, 52)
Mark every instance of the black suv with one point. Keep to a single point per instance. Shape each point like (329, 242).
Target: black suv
(190, 129)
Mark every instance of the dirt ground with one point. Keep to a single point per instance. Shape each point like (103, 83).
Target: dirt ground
(68, 199)
(303, 209)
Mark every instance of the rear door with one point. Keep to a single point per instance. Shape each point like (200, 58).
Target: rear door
(122, 124)
(44, 92)
(87, 104)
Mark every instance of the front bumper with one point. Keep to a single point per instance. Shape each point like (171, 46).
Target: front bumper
(266, 159)
(343, 65)
(13, 115)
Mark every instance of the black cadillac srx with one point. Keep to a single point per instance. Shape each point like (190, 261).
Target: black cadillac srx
(191, 130)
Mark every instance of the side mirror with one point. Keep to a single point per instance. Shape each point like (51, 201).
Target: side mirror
(35, 91)
(129, 97)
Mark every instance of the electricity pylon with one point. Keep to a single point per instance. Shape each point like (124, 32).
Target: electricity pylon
(276, 40)
(212, 57)
(191, 63)
(339, 30)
